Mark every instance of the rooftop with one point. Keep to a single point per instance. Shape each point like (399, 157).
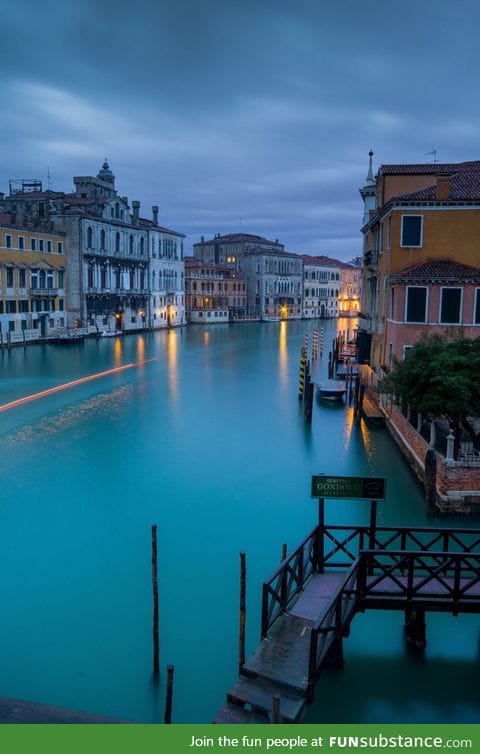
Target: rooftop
(239, 238)
(438, 270)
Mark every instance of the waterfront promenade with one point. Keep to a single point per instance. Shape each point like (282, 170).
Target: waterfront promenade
(209, 442)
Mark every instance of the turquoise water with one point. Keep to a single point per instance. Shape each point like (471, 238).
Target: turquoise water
(207, 441)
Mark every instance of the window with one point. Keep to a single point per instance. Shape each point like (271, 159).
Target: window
(102, 239)
(9, 277)
(392, 303)
(59, 247)
(11, 307)
(21, 242)
(416, 306)
(49, 247)
(60, 278)
(8, 241)
(89, 238)
(22, 279)
(41, 245)
(23, 307)
(117, 241)
(412, 227)
(477, 307)
(451, 306)
(33, 244)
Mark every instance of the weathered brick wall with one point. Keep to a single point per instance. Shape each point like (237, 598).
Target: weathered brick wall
(458, 477)
(414, 441)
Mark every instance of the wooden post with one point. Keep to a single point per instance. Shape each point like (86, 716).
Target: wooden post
(415, 628)
(431, 481)
(372, 532)
(156, 650)
(309, 388)
(321, 535)
(357, 394)
(169, 695)
(276, 708)
(243, 609)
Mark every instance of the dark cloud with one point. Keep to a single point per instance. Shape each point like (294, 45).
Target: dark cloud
(257, 114)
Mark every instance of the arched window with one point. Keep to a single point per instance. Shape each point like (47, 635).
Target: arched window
(142, 246)
(117, 211)
(102, 239)
(89, 237)
(130, 244)
(117, 241)
(153, 280)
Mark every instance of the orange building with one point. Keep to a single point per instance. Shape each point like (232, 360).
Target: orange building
(421, 259)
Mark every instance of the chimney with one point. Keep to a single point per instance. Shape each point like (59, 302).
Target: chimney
(135, 212)
(202, 239)
(443, 187)
(155, 215)
(276, 240)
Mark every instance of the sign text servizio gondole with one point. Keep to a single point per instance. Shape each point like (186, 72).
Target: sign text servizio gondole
(350, 487)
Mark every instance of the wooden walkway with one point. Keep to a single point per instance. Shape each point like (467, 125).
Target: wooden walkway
(309, 603)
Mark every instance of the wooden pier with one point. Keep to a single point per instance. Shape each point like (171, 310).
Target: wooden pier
(311, 599)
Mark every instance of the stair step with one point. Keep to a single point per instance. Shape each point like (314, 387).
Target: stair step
(259, 693)
(233, 713)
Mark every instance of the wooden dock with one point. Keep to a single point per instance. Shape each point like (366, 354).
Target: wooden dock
(371, 411)
(311, 599)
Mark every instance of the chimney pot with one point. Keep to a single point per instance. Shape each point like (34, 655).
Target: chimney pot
(135, 212)
(443, 187)
(155, 214)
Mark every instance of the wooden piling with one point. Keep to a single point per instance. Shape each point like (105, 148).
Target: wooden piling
(275, 708)
(309, 389)
(169, 696)
(415, 628)
(243, 610)
(156, 647)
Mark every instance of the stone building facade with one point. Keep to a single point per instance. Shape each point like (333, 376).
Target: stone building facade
(213, 293)
(321, 287)
(274, 283)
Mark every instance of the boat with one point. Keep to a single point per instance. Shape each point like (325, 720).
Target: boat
(109, 334)
(270, 319)
(332, 390)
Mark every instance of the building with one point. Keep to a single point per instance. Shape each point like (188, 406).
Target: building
(230, 249)
(349, 299)
(421, 257)
(213, 293)
(321, 287)
(32, 281)
(109, 267)
(166, 274)
(274, 283)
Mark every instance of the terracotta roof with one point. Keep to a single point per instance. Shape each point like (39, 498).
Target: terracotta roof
(464, 186)
(321, 261)
(145, 223)
(438, 270)
(428, 168)
(239, 238)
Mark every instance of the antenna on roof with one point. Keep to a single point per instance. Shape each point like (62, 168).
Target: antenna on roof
(433, 153)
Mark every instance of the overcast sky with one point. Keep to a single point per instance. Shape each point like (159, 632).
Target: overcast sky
(229, 114)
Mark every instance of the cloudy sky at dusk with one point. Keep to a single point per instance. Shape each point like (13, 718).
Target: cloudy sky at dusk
(256, 114)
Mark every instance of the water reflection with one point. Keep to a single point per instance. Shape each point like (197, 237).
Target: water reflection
(118, 351)
(347, 426)
(172, 363)
(366, 436)
(140, 348)
(283, 355)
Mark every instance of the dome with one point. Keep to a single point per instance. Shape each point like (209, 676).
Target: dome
(105, 174)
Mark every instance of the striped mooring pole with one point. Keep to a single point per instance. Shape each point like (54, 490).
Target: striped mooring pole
(301, 379)
(322, 338)
(315, 344)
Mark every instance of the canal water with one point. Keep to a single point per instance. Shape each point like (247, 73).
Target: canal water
(207, 440)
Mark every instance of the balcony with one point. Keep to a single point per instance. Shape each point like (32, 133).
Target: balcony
(43, 292)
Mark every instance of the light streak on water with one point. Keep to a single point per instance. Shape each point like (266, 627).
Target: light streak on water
(73, 383)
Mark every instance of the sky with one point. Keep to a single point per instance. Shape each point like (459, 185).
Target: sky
(252, 115)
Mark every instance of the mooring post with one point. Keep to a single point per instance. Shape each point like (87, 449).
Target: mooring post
(415, 628)
(430, 481)
(275, 708)
(321, 535)
(309, 388)
(243, 609)
(169, 696)
(357, 394)
(156, 650)
(372, 533)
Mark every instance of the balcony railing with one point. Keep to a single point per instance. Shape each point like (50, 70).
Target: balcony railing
(43, 292)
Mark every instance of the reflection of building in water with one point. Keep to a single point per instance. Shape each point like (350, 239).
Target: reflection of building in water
(283, 354)
(172, 364)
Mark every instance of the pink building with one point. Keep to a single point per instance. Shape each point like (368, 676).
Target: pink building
(430, 297)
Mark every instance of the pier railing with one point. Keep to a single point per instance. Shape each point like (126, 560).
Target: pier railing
(289, 579)
(339, 547)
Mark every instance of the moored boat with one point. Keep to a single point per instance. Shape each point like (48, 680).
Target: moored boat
(332, 390)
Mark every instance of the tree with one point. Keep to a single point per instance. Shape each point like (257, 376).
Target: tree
(440, 376)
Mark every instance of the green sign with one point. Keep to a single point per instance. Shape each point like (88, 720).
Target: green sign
(350, 487)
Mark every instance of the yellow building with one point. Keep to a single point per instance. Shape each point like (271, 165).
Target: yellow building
(32, 282)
